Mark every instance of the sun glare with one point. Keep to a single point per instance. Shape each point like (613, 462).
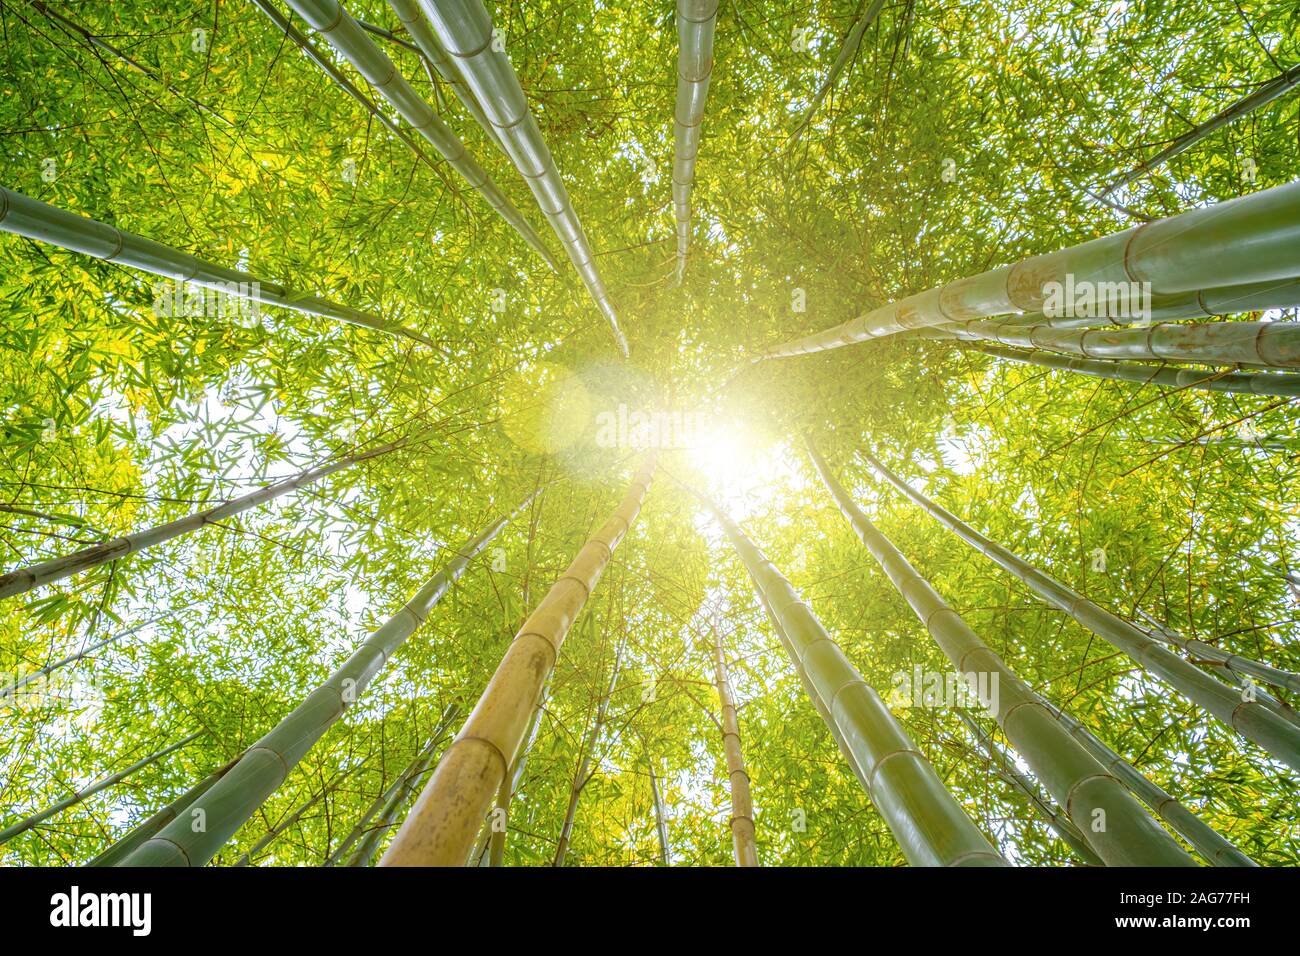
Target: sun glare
(742, 472)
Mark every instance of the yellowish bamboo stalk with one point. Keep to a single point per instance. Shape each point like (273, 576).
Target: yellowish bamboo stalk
(441, 828)
(742, 804)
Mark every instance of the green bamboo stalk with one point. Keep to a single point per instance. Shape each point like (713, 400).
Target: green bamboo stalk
(464, 28)
(1267, 92)
(368, 848)
(328, 18)
(661, 823)
(929, 825)
(409, 13)
(847, 51)
(1057, 820)
(580, 776)
(1253, 239)
(1208, 842)
(33, 219)
(247, 858)
(266, 764)
(46, 572)
(388, 798)
(741, 822)
(123, 848)
(1241, 666)
(1251, 719)
(1202, 304)
(1264, 344)
(1116, 826)
(695, 22)
(71, 658)
(1245, 383)
(311, 51)
(22, 826)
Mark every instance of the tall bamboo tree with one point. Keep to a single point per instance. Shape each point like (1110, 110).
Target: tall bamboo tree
(929, 825)
(46, 572)
(33, 219)
(266, 764)
(332, 21)
(1207, 841)
(1250, 718)
(1244, 383)
(440, 829)
(695, 22)
(25, 824)
(742, 801)
(1252, 239)
(1115, 824)
(464, 28)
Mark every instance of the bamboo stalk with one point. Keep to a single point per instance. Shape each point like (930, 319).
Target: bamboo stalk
(464, 28)
(848, 50)
(364, 855)
(661, 823)
(1264, 344)
(695, 22)
(1267, 92)
(440, 829)
(929, 825)
(1113, 823)
(496, 844)
(1207, 841)
(22, 826)
(1246, 383)
(389, 798)
(332, 21)
(247, 858)
(123, 848)
(742, 802)
(33, 219)
(1251, 719)
(409, 13)
(310, 50)
(71, 658)
(266, 764)
(581, 774)
(1056, 819)
(24, 579)
(1253, 239)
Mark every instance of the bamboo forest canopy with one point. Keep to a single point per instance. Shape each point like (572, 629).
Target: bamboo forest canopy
(269, 533)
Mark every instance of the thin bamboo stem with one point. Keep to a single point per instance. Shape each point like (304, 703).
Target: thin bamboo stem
(1265, 94)
(247, 858)
(24, 579)
(389, 798)
(125, 846)
(22, 826)
(929, 825)
(266, 764)
(332, 21)
(440, 830)
(1208, 842)
(71, 658)
(695, 22)
(1243, 383)
(742, 802)
(1252, 720)
(464, 29)
(1253, 239)
(1115, 824)
(661, 822)
(33, 219)
(1005, 768)
(848, 50)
